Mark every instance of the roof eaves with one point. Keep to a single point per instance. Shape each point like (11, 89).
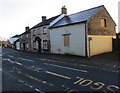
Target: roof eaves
(68, 24)
(46, 22)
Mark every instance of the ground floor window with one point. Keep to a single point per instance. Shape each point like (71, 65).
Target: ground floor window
(21, 45)
(34, 45)
(27, 46)
(45, 44)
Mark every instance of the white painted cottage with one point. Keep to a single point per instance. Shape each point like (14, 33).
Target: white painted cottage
(15, 43)
(85, 33)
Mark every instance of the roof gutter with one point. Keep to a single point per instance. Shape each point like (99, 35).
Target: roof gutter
(68, 24)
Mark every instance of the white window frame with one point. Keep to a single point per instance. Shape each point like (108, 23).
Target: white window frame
(45, 44)
(26, 35)
(34, 32)
(27, 45)
(21, 45)
(44, 30)
(34, 45)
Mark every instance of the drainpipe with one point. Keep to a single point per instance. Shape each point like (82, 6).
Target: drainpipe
(86, 40)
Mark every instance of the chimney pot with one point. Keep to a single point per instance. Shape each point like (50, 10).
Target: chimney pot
(27, 28)
(43, 18)
(64, 10)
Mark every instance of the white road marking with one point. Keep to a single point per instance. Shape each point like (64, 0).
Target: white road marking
(30, 86)
(21, 81)
(18, 63)
(26, 84)
(10, 56)
(66, 67)
(38, 90)
(26, 59)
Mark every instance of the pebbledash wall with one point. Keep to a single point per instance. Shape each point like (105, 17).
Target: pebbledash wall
(77, 40)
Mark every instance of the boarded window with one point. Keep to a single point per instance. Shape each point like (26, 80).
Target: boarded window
(103, 22)
(66, 40)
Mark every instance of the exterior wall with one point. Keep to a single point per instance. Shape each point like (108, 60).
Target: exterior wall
(39, 33)
(94, 25)
(77, 40)
(23, 41)
(100, 44)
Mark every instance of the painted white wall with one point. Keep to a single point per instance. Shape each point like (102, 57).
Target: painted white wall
(77, 40)
(12, 40)
(18, 45)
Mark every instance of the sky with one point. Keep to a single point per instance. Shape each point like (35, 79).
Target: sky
(15, 15)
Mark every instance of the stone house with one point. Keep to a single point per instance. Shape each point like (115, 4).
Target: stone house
(85, 33)
(40, 35)
(25, 40)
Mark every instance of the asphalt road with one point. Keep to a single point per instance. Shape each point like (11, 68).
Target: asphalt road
(33, 72)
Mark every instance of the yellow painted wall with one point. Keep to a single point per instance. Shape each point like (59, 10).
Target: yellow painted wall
(100, 44)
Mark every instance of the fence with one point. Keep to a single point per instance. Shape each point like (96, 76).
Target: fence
(116, 44)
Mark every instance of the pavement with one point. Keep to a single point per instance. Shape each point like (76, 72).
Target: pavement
(37, 72)
(107, 61)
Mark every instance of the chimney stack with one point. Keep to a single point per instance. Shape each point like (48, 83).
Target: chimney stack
(27, 28)
(43, 18)
(64, 10)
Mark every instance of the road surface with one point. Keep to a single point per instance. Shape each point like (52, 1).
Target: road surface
(39, 72)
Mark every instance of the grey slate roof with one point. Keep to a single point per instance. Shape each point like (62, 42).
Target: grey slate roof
(77, 17)
(46, 22)
(15, 36)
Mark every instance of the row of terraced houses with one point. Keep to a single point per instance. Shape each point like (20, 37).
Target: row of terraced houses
(85, 33)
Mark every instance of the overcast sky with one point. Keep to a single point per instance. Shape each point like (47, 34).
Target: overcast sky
(16, 14)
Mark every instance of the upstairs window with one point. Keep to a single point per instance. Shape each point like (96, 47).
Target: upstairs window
(26, 35)
(66, 40)
(44, 30)
(34, 32)
(103, 22)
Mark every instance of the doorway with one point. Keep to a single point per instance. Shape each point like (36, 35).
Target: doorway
(38, 40)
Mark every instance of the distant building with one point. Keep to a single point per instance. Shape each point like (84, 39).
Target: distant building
(25, 40)
(14, 41)
(85, 33)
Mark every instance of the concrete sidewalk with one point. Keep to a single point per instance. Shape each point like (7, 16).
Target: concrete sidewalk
(108, 61)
